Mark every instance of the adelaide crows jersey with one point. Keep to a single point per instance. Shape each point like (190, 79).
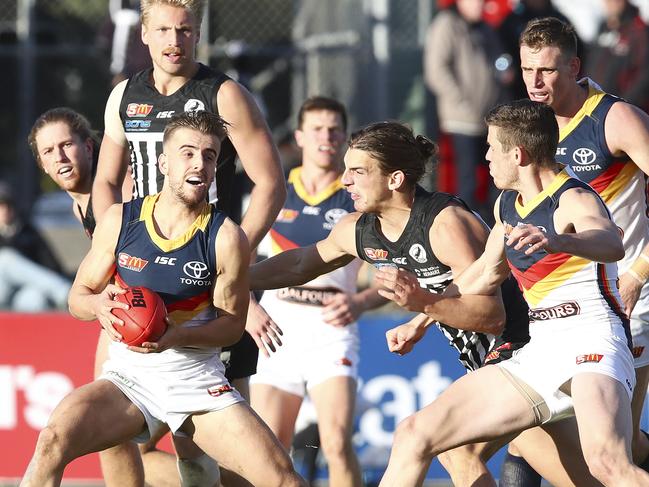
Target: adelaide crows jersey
(564, 287)
(145, 112)
(306, 219)
(413, 252)
(182, 271)
(620, 183)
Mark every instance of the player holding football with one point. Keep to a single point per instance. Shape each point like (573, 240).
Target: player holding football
(144, 387)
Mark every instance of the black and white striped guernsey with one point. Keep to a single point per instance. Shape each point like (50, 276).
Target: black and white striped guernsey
(412, 251)
(145, 112)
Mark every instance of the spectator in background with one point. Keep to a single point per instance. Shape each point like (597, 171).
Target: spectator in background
(121, 36)
(619, 56)
(512, 27)
(31, 277)
(460, 57)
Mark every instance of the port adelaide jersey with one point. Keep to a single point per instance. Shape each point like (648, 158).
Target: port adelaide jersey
(182, 270)
(412, 251)
(620, 183)
(306, 219)
(559, 286)
(145, 112)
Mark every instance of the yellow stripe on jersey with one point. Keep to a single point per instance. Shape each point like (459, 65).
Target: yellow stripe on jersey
(594, 97)
(524, 210)
(620, 183)
(312, 200)
(555, 279)
(146, 215)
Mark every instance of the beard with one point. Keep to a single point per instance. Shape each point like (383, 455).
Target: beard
(192, 199)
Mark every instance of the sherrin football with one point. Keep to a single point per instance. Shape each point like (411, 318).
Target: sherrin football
(144, 321)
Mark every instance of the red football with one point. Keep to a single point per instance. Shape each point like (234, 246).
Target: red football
(144, 321)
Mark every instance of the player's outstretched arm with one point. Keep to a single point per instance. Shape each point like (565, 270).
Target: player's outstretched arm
(403, 338)
(297, 266)
(91, 297)
(252, 140)
(584, 229)
(113, 157)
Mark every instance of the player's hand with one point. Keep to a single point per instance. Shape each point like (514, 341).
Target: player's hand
(402, 339)
(170, 339)
(403, 288)
(630, 289)
(263, 330)
(341, 309)
(104, 303)
(531, 238)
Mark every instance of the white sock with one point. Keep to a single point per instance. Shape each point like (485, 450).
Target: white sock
(199, 472)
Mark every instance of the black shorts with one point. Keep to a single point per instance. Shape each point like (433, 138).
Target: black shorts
(502, 351)
(240, 359)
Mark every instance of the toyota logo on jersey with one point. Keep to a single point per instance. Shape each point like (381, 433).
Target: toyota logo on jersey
(196, 270)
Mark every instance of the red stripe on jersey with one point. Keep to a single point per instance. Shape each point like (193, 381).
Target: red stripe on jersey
(283, 242)
(539, 270)
(601, 182)
(189, 304)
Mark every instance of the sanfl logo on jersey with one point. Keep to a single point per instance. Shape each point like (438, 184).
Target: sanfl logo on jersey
(131, 262)
(194, 105)
(138, 109)
(375, 254)
(418, 253)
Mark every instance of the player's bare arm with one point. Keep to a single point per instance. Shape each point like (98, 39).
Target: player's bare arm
(252, 140)
(113, 157)
(583, 227)
(91, 295)
(297, 266)
(229, 297)
(633, 141)
(456, 238)
(402, 339)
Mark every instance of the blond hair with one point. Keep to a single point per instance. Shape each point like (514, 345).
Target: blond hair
(195, 7)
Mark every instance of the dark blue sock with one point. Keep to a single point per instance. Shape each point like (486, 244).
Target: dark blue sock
(516, 472)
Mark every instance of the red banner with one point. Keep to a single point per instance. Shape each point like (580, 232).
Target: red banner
(43, 357)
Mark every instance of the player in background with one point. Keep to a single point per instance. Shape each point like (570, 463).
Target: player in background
(165, 382)
(136, 114)
(66, 149)
(320, 338)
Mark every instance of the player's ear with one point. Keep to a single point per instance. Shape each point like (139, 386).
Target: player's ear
(163, 163)
(143, 34)
(520, 156)
(299, 138)
(397, 180)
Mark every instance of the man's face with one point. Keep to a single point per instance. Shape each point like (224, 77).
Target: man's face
(171, 34)
(548, 74)
(189, 164)
(65, 157)
(502, 165)
(365, 182)
(321, 139)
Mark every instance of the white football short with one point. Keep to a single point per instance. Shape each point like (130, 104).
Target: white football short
(640, 329)
(312, 350)
(549, 360)
(172, 396)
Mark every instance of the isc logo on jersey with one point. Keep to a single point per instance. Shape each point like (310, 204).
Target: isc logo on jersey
(138, 109)
(131, 262)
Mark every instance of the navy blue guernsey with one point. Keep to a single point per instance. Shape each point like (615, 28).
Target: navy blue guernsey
(182, 270)
(413, 252)
(145, 113)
